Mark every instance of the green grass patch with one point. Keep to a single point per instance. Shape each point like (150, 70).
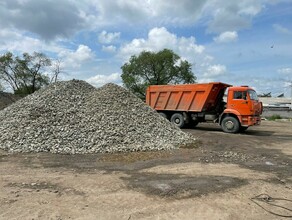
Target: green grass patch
(274, 117)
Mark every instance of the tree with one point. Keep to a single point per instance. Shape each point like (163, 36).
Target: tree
(24, 74)
(150, 68)
(1, 87)
(56, 70)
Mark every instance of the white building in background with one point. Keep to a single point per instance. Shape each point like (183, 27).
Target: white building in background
(276, 102)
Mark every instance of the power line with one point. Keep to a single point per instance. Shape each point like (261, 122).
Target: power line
(266, 199)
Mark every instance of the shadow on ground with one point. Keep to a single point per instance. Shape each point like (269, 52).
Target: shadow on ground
(181, 186)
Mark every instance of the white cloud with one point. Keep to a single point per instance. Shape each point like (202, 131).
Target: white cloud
(205, 62)
(232, 15)
(107, 38)
(186, 48)
(76, 58)
(159, 39)
(100, 79)
(104, 12)
(219, 15)
(280, 29)
(169, 11)
(215, 70)
(70, 17)
(43, 18)
(285, 71)
(226, 37)
(109, 49)
(249, 8)
(88, 17)
(16, 41)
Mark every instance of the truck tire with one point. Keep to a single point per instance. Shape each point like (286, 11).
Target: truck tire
(230, 125)
(178, 119)
(163, 114)
(243, 129)
(193, 124)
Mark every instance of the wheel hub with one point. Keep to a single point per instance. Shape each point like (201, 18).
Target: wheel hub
(229, 125)
(177, 121)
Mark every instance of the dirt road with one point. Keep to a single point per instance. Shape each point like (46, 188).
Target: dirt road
(215, 180)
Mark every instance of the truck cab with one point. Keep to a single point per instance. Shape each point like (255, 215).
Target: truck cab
(244, 106)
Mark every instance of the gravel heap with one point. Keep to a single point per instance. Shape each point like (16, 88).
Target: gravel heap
(74, 117)
(7, 99)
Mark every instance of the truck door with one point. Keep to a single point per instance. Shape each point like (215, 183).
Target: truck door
(239, 101)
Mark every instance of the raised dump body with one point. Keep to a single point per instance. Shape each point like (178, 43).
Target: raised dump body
(190, 104)
(187, 97)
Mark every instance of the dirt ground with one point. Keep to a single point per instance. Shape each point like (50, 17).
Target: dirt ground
(215, 180)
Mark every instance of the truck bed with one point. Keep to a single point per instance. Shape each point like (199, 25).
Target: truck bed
(186, 97)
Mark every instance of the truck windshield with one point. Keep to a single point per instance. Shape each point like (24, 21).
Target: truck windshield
(253, 95)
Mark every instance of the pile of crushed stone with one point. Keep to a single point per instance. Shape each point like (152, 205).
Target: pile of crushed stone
(74, 117)
(7, 99)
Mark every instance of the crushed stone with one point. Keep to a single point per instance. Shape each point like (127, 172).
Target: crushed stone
(72, 117)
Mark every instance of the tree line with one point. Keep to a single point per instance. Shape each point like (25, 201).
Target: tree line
(155, 68)
(25, 74)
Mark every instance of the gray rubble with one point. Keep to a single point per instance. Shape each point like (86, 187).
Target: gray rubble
(7, 99)
(74, 117)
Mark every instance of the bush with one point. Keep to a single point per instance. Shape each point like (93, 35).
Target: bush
(274, 117)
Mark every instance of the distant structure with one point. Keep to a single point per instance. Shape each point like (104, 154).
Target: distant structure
(281, 95)
(269, 94)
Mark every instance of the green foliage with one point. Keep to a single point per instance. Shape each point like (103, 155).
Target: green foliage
(274, 117)
(150, 68)
(24, 74)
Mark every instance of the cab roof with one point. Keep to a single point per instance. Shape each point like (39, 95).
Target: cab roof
(240, 88)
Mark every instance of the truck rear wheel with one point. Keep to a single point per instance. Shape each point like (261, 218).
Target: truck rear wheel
(178, 119)
(163, 114)
(193, 123)
(230, 125)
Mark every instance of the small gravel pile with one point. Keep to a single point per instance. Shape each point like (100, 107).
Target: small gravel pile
(74, 117)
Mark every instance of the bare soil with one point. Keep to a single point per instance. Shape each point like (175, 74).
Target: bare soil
(216, 179)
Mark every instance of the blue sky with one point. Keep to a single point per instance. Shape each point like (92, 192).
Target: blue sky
(240, 42)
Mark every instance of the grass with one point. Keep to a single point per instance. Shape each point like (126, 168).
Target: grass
(274, 117)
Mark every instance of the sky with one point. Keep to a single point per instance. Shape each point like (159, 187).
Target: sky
(240, 42)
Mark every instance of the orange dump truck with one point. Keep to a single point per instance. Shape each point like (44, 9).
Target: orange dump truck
(195, 103)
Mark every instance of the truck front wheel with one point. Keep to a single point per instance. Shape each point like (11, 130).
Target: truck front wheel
(243, 129)
(230, 125)
(178, 119)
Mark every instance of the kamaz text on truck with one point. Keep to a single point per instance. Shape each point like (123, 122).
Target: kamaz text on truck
(190, 104)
